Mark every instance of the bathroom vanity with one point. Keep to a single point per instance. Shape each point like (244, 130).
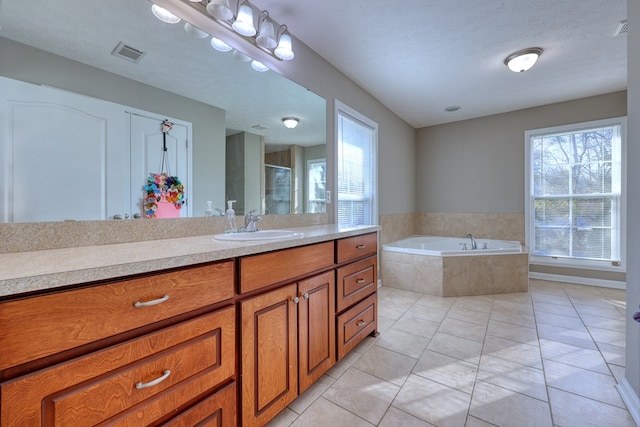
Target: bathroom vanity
(228, 335)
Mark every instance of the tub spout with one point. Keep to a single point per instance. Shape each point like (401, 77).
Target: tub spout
(474, 246)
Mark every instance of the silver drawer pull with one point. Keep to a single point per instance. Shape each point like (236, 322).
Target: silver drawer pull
(295, 300)
(305, 295)
(157, 381)
(361, 246)
(360, 322)
(360, 281)
(152, 302)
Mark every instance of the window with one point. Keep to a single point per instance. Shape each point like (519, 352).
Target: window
(575, 193)
(356, 151)
(317, 186)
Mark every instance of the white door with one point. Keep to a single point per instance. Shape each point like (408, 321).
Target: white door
(62, 155)
(147, 148)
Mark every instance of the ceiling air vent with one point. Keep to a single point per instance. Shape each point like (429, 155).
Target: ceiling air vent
(623, 27)
(127, 52)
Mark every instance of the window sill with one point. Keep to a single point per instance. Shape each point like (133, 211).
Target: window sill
(577, 263)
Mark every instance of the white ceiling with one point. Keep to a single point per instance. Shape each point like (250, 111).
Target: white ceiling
(87, 31)
(420, 56)
(417, 57)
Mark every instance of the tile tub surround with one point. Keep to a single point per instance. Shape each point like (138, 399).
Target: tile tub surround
(497, 226)
(454, 276)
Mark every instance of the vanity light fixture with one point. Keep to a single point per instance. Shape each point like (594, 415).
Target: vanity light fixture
(243, 24)
(284, 51)
(259, 66)
(220, 9)
(523, 60)
(266, 36)
(290, 122)
(219, 45)
(194, 31)
(164, 15)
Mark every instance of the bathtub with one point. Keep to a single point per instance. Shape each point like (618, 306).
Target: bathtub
(452, 246)
(441, 266)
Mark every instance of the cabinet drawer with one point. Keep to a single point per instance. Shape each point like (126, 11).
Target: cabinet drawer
(356, 281)
(356, 247)
(217, 410)
(36, 327)
(198, 354)
(261, 270)
(355, 324)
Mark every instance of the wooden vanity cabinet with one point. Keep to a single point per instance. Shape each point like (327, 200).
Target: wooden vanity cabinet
(149, 378)
(287, 343)
(287, 340)
(357, 283)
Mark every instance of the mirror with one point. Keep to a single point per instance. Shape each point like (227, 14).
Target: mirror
(237, 135)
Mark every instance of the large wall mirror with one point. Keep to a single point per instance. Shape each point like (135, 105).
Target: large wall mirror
(237, 146)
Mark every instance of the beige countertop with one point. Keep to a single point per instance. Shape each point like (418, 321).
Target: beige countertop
(23, 272)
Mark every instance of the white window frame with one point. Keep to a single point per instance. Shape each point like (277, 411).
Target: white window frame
(344, 110)
(568, 262)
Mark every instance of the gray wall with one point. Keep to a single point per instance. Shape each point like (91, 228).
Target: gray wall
(477, 165)
(31, 65)
(633, 210)
(396, 150)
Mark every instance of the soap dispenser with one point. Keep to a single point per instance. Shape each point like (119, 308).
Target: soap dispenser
(231, 217)
(209, 211)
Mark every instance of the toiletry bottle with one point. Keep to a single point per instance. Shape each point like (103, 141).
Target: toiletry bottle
(231, 217)
(209, 211)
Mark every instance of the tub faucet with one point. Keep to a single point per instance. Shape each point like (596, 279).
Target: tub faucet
(250, 221)
(474, 246)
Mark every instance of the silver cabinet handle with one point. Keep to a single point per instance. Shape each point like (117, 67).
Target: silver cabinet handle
(305, 295)
(157, 381)
(360, 281)
(360, 322)
(137, 215)
(152, 302)
(117, 216)
(295, 300)
(361, 246)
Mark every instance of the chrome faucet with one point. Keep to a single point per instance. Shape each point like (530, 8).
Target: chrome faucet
(474, 246)
(250, 221)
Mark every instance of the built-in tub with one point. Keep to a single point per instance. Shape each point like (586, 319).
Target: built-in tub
(448, 266)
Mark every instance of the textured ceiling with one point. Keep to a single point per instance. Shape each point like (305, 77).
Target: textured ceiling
(420, 56)
(417, 57)
(89, 30)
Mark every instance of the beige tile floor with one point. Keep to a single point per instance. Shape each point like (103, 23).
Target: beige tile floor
(549, 357)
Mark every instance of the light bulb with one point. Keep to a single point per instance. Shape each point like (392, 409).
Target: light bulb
(219, 45)
(244, 22)
(164, 15)
(283, 51)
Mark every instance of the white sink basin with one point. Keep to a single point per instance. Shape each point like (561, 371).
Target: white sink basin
(260, 235)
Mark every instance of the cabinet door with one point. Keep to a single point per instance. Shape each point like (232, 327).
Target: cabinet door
(316, 328)
(269, 354)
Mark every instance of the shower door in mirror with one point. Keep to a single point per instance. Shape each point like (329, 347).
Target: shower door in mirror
(62, 155)
(277, 189)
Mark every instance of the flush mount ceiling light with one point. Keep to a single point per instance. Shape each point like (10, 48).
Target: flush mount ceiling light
(523, 60)
(290, 122)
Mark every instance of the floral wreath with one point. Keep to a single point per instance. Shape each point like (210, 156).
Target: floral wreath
(161, 186)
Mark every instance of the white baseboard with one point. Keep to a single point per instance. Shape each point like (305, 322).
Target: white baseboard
(631, 399)
(579, 280)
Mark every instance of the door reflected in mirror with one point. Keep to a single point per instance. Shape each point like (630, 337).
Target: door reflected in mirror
(68, 45)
